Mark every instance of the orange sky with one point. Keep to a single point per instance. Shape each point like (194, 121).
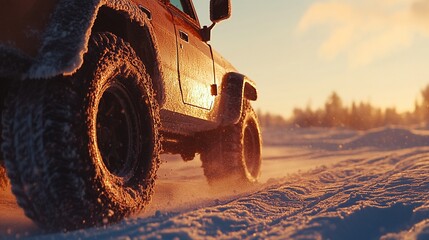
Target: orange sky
(301, 51)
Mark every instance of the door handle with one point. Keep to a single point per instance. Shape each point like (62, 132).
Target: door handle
(146, 11)
(184, 36)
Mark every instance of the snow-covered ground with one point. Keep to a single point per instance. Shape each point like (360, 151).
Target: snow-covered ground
(316, 184)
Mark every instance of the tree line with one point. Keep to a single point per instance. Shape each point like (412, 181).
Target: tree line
(358, 115)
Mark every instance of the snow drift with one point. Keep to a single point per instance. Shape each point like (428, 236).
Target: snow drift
(373, 187)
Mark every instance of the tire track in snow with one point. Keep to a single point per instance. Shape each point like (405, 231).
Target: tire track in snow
(364, 198)
(369, 193)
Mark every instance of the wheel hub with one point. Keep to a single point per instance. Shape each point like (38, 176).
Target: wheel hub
(251, 150)
(116, 128)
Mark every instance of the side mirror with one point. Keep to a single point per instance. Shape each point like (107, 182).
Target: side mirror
(220, 10)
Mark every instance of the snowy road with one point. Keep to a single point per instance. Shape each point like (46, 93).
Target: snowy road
(316, 184)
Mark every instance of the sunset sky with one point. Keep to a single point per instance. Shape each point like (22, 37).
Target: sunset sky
(300, 51)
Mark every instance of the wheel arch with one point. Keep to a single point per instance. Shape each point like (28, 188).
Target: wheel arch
(64, 44)
(139, 36)
(235, 88)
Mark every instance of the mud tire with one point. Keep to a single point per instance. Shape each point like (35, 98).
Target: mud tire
(233, 153)
(52, 140)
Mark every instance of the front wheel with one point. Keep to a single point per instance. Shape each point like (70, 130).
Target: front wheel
(233, 153)
(84, 150)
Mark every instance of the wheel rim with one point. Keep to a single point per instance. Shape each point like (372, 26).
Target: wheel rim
(252, 150)
(117, 126)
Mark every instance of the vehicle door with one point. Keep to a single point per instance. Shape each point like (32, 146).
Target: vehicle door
(195, 61)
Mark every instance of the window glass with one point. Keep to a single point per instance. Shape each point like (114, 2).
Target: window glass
(177, 4)
(184, 6)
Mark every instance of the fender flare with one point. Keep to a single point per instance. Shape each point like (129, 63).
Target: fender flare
(64, 44)
(235, 88)
(66, 38)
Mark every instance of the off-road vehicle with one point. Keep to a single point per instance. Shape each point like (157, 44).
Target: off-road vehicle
(94, 91)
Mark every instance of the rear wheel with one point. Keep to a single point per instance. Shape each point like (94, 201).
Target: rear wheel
(84, 150)
(233, 155)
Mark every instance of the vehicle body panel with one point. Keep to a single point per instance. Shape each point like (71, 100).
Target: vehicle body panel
(195, 67)
(183, 70)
